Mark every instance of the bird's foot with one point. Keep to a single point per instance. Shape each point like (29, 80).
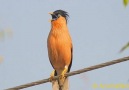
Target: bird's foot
(62, 76)
(52, 76)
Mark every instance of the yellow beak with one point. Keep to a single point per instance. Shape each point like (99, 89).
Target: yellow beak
(51, 13)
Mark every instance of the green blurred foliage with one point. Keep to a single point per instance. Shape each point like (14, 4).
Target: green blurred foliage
(1, 59)
(127, 45)
(125, 2)
(124, 47)
(6, 33)
(2, 35)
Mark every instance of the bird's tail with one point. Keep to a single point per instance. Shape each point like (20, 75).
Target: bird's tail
(60, 84)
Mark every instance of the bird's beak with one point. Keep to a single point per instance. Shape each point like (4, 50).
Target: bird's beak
(50, 20)
(51, 13)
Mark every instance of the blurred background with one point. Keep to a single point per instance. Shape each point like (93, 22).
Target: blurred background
(99, 29)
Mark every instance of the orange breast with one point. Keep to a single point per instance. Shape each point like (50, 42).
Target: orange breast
(59, 44)
(59, 50)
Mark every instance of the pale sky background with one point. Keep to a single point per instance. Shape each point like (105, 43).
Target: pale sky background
(99, 28)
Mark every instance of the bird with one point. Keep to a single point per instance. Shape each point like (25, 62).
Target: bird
(60, 49)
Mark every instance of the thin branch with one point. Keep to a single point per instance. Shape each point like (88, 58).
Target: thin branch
(72, 73)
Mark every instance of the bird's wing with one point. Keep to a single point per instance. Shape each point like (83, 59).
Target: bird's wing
(71, 59)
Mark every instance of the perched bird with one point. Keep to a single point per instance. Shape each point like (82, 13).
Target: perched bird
(60, 49)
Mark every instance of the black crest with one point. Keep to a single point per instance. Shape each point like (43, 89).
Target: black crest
(62, 13)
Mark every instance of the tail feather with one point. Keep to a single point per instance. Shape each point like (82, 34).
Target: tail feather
(66, 84)
(56, 86)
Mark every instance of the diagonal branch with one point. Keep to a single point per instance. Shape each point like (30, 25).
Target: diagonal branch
(71, 73)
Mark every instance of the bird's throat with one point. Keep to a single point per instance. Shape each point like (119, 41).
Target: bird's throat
(59, 24)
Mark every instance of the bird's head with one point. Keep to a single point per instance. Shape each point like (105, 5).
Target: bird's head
(59, 13)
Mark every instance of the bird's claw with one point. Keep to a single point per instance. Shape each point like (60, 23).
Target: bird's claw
(52, 76)
(62, 76)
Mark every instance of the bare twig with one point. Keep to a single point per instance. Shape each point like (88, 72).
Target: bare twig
(71, 73)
